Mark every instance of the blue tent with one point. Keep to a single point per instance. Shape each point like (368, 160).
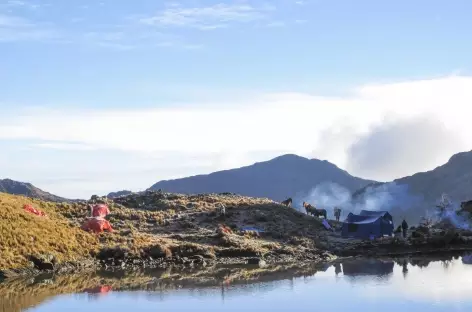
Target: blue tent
(364, 227)
(371, 213)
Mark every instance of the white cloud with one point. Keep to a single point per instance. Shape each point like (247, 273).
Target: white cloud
(209, 17)
(7, 21)
(22, 4)
(64, 146)
(253, 129)
(402, 146)
(276, 24)
(15, 28)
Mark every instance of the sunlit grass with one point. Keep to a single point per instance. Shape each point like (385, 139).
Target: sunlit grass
(23, 234)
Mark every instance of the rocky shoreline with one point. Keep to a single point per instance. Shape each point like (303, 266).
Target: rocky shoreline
(200, 262)
(180, 263)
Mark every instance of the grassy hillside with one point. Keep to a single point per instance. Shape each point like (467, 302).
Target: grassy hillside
(156, 225)
(24, 234)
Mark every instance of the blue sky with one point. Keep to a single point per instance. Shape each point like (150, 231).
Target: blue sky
(88, 58)
(103, 53)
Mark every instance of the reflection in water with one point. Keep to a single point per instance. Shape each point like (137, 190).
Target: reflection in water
(368, 267)
(363, 283)
(467, 259)
(405, 268)
(337, 268)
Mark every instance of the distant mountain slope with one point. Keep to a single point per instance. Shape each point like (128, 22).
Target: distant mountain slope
(27, 189)
(276, 179)
(453, 178)
(118, 194)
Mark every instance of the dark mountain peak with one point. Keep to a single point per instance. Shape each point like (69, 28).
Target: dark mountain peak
(13, 182)
(10, 186)
(277, 178)
(119, 194)
(289, 157)
(461, 157)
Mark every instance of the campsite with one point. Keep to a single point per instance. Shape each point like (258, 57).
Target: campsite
(157, 229)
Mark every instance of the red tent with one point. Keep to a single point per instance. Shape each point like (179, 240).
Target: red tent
(100, 210)
(33, 210)
(97, 225)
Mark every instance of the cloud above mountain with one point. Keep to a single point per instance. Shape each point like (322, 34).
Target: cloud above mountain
(398, 148)
(376, 131)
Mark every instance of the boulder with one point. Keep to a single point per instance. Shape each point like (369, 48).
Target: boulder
(43, 262)
(257, 261)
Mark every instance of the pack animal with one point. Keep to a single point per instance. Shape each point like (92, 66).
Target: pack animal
(310, 210)
(287, 202)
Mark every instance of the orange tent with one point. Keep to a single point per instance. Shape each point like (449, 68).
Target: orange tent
(33, 210)
(100, 210)
(97, 225)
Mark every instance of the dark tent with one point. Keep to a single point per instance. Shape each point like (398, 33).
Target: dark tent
(383, 214)
(358, 226)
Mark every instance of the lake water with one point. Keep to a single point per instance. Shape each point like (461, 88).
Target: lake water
(363, 285)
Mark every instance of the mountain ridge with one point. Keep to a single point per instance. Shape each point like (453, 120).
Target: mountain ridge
(278, 178)
(453, 178)
(29, 190)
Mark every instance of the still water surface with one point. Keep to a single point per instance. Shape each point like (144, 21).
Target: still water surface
(361, 285)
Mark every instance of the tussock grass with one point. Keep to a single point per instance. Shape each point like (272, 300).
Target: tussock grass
(23, 234)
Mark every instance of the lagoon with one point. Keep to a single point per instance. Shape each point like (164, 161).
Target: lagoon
(418, 284)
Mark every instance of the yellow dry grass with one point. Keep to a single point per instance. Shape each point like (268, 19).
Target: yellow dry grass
(23, 234)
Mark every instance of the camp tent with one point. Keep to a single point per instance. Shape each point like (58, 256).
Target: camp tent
(364, 227)
(371, 213)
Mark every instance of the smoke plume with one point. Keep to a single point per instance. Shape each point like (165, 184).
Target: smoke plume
(377, 197)
(452, 214)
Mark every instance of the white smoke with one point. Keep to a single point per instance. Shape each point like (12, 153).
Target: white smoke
(376, 198)
(452, 213)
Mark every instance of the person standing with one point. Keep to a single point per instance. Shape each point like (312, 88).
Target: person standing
(404, 228)
(337, 213)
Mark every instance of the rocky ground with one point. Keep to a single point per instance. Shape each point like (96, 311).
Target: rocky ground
(442, 237)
